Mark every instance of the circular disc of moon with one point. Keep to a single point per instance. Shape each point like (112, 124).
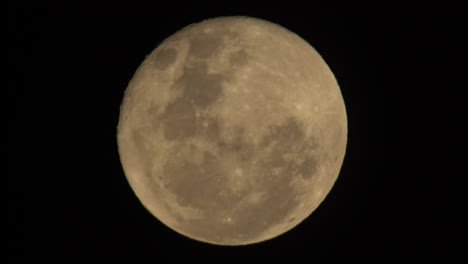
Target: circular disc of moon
(232, 131)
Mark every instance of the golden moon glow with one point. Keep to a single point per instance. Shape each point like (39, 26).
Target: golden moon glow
(232, 131)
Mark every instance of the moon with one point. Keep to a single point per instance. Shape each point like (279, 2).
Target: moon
(232, 131)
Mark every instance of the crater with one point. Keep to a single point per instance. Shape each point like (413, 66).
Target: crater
(200, 87)
(165, 58)
(179, 120)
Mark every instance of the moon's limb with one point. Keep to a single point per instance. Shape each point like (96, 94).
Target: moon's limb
(232, 131)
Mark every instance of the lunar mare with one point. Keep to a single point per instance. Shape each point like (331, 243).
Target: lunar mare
(232, 131)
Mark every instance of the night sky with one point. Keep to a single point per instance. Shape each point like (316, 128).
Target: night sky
(70, 202)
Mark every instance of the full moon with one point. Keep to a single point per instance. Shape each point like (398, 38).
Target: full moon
(232, 131)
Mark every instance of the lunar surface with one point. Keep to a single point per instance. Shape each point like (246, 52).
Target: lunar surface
(232, 131)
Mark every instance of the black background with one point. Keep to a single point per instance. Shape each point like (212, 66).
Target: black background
(68, 198)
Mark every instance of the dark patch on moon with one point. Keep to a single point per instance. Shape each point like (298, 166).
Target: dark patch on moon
(289, 139)
(280, 201)
(204, 44)
(307, 168)
(288, 135)
(208, 128)
(247, 221)
(200, 87)
(238, 145)
(199, 186)
(165, 58)
(239, 58)
(205, 186)
(179, 120)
